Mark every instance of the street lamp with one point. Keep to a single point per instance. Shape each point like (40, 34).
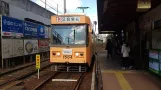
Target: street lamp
(83, 8)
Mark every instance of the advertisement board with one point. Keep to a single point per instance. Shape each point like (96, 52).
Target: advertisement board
(12, 48)
(18, 48)
(30, 46)
(12, 27)
(154, 61)
(41, 31)
(46, 32)
(7, 48)
(43, 45)
(160, 63)
(30, 30)
(50, 32)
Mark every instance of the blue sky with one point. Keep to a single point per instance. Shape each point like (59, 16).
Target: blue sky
(92, 11)
(71, 6)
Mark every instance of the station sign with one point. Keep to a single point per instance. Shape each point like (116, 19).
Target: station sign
(68, 19)
(12, 27)
(143, 5)
(30, 29)
(37, 61)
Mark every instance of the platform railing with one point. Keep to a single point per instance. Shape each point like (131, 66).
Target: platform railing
(98, 75)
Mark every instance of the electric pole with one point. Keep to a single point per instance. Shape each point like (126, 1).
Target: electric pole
(57, 9)
(83, 8)
(64, 6)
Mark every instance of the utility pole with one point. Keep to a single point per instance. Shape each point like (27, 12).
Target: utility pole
(57, 9)
(83, 8)
(64, 6)
(95, 23)
(45, 4)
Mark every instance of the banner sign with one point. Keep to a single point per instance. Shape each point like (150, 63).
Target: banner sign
(12, 27)
(30, 29)
(47, 32)
(41, 31)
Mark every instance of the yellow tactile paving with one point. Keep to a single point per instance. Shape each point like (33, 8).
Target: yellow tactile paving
(110, 82)
(120, 78)
(122, 81)
(126, 80)
(123, 71)
(116, 79)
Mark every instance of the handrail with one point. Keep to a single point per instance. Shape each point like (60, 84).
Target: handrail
(58, 36)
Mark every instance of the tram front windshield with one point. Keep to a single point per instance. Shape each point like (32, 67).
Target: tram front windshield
(69, 34)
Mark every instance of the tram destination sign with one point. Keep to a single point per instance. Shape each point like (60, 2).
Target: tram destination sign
(68, 19)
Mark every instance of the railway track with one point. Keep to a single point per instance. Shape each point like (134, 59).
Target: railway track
(19, 67)
(15, 77)
(26, 79)
(62, 81)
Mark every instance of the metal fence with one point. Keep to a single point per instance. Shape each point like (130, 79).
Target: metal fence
(53, 7)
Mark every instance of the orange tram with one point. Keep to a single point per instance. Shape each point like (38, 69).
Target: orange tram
(73, 43)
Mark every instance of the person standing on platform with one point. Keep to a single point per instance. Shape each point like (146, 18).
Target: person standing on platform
(125, 56)
(109, 48)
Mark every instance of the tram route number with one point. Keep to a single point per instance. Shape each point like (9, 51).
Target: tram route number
(37, 61)
(67, 51)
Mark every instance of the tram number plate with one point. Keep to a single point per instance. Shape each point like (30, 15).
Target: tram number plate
(67, 51)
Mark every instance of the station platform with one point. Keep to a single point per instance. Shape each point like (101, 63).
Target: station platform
(114, 78)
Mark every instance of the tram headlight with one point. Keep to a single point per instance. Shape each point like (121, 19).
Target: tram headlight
(55, 53)
(79, 54)
(58, 53)
(76, 54)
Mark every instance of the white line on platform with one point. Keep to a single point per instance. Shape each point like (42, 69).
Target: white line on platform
(67, 80)
(93, 79)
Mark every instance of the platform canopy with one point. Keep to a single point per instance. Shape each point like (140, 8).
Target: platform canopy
(114, 15)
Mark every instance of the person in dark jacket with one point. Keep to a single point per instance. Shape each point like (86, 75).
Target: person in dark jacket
(109, 48)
